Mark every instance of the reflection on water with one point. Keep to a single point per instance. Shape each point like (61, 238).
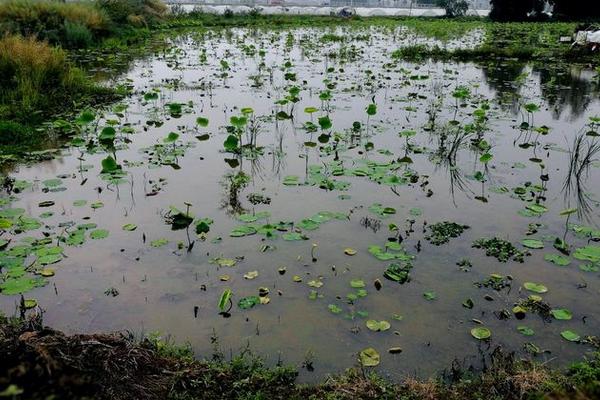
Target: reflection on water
(447, 142)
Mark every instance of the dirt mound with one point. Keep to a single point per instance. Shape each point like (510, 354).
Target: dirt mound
(46, 362)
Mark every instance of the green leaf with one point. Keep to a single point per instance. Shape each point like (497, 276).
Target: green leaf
(481, 333)
(129, 227)
(21, 285)
(561, 314)
(570, 336)
(532, 243)
(524, 330)
(371, 109)
(325, 123)
(99, 234)
(369, 357)
(487, 157)
(109, 165)
(535, 287)
(107, 134)
(334, 309)
(224, 299)
(430, 295)
(171, 137)
(557, 259)
(537, 208)
(293, 236)
(378, 326)
(49, 259)
(231, 143)
(159, 242)
(357, 283)
(588, 253)
(238, 122)
(201, 121)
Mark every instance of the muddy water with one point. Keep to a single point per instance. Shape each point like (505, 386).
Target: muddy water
(159, 288)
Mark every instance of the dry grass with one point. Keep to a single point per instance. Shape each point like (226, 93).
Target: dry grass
(425, 390)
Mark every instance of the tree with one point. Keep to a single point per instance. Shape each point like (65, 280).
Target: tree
(576, 9)
(454, 8)
(515, 10)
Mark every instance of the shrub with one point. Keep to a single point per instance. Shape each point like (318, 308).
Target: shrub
(134, 12)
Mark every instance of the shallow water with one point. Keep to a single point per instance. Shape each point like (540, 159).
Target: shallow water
(162, 288)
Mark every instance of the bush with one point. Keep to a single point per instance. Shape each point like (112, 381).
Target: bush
(35, 76)
(134, 12)
(55, 22)
(77, 35)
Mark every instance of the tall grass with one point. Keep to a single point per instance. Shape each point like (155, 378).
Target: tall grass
(71, 24)
(78, 24)
(35, 77)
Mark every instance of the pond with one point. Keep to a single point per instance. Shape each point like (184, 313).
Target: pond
(331, 197)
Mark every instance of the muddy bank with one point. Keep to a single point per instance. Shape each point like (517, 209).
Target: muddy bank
(39, 363)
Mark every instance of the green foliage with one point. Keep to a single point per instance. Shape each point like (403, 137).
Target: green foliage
(77, 35)
(454, 8)
(138, 13)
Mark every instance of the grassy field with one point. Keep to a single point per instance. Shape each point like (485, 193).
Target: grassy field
(40, 363)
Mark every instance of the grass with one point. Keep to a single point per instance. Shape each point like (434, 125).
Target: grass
(78, 24)
(36, 81)
(69, 24)
(41, 363)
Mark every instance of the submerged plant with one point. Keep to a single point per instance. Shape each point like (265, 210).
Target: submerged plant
(442, 232)
(502, 249)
